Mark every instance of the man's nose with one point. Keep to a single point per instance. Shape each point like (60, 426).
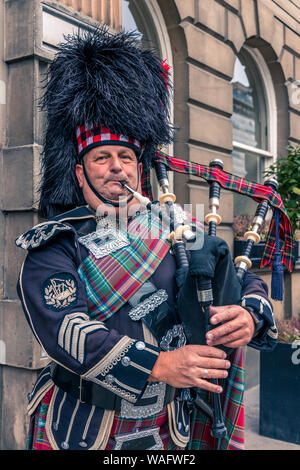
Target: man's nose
(115, 163)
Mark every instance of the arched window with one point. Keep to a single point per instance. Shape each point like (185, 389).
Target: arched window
(254, 122)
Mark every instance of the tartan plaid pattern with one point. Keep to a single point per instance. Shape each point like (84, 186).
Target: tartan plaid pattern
(234, 183)
(112, 280)
(37, 438)
(233, 412)
(89, 137)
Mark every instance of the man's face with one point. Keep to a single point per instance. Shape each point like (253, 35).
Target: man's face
(106, 166)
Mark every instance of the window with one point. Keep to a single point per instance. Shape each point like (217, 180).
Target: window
(253, 119)
(128, 21)
(144, 17)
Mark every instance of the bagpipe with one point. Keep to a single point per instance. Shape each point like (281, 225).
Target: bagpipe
(208, 276)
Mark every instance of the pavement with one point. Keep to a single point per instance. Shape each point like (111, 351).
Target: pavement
(253, 440)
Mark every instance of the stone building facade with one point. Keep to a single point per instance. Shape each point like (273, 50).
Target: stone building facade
(217, 49)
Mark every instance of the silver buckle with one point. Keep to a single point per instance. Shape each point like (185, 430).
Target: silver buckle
(148, 305)
(131, 411)
(133, 436)
(103, 242)
(175, 332)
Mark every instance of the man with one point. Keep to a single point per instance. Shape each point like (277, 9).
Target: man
(89, 284)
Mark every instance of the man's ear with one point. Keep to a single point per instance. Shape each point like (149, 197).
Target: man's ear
(79, 174)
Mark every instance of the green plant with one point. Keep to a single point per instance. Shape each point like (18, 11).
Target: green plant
(287, 172)
(288, 330)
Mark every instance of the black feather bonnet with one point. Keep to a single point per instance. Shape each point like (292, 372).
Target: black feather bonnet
(99, 78)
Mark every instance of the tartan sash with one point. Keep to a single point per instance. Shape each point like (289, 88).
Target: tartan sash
(234, 183)
(111, 281)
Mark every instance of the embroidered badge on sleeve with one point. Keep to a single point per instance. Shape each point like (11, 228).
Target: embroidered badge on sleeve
(60, 291)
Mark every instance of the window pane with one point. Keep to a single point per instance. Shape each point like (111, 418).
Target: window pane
(136, 17)
(128, 21)
(249, 120)
(249, 166)
(249, 116)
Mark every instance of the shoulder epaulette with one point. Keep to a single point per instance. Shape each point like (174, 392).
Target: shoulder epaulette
(40, 234)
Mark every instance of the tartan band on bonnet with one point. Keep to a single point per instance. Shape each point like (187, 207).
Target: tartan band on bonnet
(95, 136)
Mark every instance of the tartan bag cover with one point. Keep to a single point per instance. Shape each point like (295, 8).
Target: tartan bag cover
(233, 411)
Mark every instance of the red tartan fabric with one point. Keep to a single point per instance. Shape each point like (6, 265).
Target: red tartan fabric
(37, 437)
(100, 135)
(233, 412)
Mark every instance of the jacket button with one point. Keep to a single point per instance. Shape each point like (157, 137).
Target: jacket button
(83, 444)
(140, 345)
(126, 361)
(109, 378)
(65, 445)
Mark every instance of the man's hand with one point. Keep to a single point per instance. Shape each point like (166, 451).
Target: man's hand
(190, 366)
(236, 326)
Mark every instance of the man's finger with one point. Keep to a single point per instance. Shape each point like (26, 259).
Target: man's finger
(224, 329)
(238, 335)
(209, 351)
(223, 314)
(215, 309)
(213, 363)
(206, 385)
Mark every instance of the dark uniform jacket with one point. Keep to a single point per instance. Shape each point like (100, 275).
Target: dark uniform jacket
(98, 366)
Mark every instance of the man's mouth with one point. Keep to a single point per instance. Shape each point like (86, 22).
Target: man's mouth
(116, 181)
